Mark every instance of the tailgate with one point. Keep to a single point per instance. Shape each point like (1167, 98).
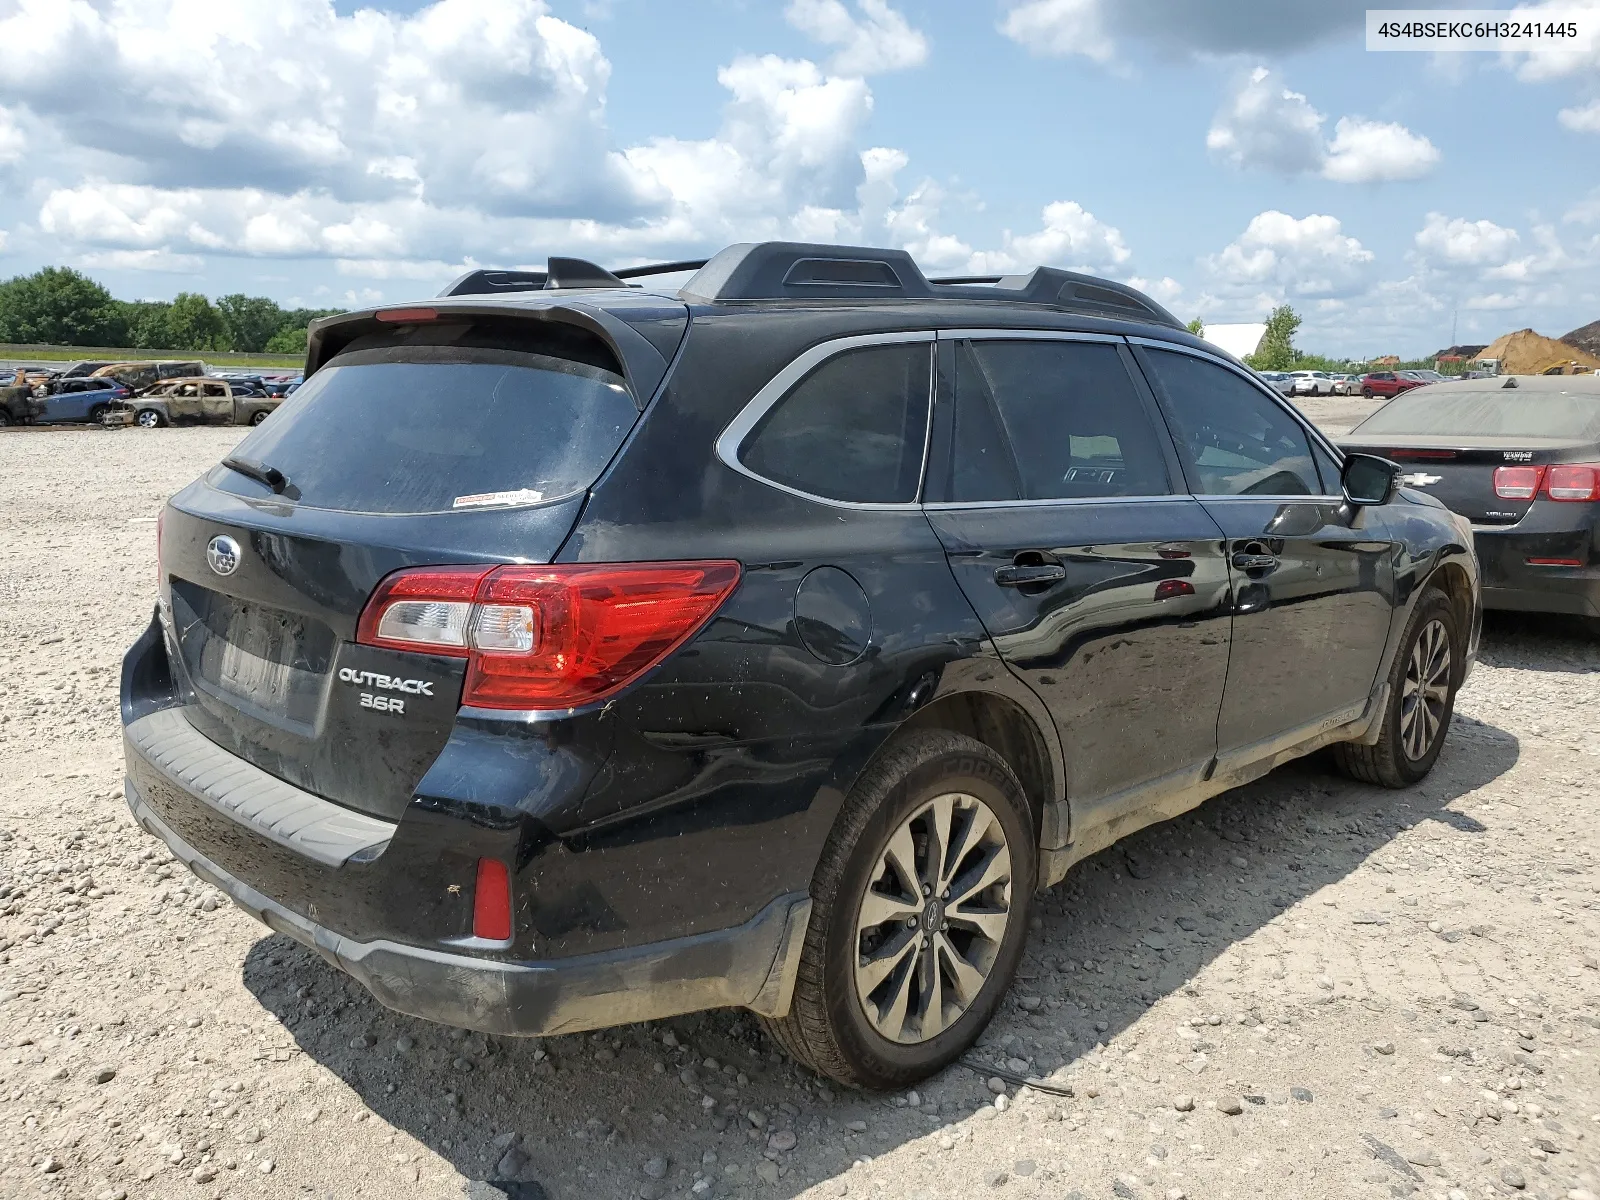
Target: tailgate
(267, 655)
(417, 445)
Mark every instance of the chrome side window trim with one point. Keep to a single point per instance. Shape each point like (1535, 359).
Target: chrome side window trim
(1244, 373)
(988, 334)
(957, 505)
(732, 438)
(1318, 498)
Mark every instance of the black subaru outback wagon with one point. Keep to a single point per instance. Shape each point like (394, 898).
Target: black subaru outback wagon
(566, 653)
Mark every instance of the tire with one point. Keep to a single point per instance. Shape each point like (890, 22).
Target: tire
(258, 416)
(5, 418)
(828, 1027)
(97, 414)
(1396, 761)
(149, 418)
(1367, 392)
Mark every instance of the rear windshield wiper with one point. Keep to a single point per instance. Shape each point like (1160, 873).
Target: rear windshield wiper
(259, 471)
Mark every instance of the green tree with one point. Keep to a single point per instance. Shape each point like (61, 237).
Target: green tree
(1196, 327)
(291, 335)
(148, 325)
(291, 339)
(58, 306)
(251, 321)
(195, 324)
(1276, 351)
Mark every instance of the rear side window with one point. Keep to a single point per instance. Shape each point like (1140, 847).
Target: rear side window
(1496, 412)
(1046, 420)
(1234, 440)
(854, 429)
(421, 428)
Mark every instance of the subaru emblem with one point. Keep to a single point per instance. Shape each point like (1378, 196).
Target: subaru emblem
(222, 552)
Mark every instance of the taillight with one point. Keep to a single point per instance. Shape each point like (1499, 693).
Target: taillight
(491, 901)
(547, 637)
(1517, 483)
(1572, 481)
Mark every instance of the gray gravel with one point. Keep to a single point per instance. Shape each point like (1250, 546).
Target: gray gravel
(1305, 988)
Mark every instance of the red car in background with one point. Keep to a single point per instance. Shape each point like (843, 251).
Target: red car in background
(1386, 383)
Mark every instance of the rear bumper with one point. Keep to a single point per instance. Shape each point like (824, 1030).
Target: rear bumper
(1548, 531)
(751, 966)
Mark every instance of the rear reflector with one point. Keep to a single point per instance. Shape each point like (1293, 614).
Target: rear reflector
(407, 316)
(1517, 483)
(1572, 481)
(491, 902)
(541, 638)
(1554, 562)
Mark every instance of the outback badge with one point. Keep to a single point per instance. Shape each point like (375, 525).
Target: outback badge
(222, 553)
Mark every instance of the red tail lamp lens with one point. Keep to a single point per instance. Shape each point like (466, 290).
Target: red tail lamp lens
(407, 316)
(491, 902)
(1517, 483)
(547, 637)
(1573, 481)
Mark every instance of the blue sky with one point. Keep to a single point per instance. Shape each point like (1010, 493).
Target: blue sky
(1226, 154)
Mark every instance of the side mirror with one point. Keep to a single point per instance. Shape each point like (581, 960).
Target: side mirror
(1368, 479)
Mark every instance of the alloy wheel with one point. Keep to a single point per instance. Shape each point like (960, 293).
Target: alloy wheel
(1425, 692)
(149, 419)
(932, 919)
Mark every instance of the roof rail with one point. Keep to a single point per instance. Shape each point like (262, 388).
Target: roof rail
(806, 271)
(666, 268)
(561, 273)
(803, 271)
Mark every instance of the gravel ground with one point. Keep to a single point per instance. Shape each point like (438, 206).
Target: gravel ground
(1304, 988)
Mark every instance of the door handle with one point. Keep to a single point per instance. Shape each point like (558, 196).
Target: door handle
(1030, 575)
(1255, 562)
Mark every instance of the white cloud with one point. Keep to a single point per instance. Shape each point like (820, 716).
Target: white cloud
(881, 39)
(378, 268)
(142, 260)
(12, 141)
(1263, 124)
(1061, 28)
(1071, 237)
(492, 102)
(1457, 242)
(3, 236)
(1282, 257)
(1095, 28)
(1164, 290)
(1556, 64)
(1365, 151)
(1581, 120)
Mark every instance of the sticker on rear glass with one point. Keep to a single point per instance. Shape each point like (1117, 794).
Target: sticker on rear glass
(495, 499)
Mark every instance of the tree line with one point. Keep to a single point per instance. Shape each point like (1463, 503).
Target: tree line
(61, 307)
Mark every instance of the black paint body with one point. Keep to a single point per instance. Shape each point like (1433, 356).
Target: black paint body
(706, 790)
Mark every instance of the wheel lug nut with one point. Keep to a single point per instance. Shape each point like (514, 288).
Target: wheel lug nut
(945, 895)
(927, 889)
(924, 943)
(911, 922)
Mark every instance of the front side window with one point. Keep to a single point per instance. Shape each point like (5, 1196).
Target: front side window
(854, 429)
(1050, 420)
(1234, 440)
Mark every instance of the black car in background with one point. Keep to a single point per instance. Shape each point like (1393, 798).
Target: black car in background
(1519, 456)
(566, 653)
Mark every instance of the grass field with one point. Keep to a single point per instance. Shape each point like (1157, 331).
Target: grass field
(213, 358)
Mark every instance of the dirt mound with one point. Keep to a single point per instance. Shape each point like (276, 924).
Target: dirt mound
(1528, 353)
(1585, 338)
